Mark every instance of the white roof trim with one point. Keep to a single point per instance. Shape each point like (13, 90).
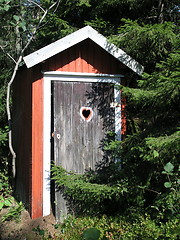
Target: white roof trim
(83, 77)
(82, 74)
(76, 37)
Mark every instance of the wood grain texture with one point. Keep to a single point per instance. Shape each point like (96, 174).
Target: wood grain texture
(27, 138)
(85, 57)
(22, 135)
(37, 147)
(78, 143)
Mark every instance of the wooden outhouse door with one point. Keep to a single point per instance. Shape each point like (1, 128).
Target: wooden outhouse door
(82, 117)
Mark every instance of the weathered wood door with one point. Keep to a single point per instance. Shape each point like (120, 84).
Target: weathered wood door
(82, 117)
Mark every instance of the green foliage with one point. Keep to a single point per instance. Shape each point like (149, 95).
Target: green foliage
(74, 12)
(15, 27)
(106, 16)
(4, 5)
(5, 188)
(3, 136)
(151, 151)
(147, 11)
(5, 202)
(3, 118)
(91, 234)
(165, 146)
(148, 156)
(104, 27)
(57, 28)
(86, 197)
(13, 213)
(42, 233)
(160, 90)
(114, 228)
(147, 43)
(168, 204)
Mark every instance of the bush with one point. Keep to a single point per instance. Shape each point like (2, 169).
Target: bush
(116, 228)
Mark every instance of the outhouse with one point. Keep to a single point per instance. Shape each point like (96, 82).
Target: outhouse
(64, 102)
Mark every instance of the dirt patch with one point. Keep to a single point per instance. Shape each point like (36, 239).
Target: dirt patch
(26, 228)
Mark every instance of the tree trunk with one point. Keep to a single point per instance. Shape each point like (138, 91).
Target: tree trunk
(160, 16)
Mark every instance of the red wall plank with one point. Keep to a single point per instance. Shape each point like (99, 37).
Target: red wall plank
(21, 131)
(37, 147)
(84, 57)
(27, 138)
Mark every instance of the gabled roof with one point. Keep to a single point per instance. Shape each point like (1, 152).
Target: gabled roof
(77, 37)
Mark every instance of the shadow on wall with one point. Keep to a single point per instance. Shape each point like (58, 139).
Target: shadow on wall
(100, 97)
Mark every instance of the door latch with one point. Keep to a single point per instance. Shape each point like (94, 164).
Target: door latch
(115, 104)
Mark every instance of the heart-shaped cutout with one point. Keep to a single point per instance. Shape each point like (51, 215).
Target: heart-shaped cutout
(86, 113)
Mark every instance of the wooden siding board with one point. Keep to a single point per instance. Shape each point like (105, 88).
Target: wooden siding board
(72, 62)
(37, 147)
(84, 57)
(78, 60)
(85, 65)
(65, 66)
(21, 130)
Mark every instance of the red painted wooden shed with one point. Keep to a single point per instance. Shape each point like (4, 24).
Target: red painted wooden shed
(61, 101)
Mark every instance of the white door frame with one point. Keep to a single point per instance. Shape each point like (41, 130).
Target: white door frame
(70, 77)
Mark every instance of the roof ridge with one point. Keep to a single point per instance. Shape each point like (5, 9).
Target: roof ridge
(77, 37)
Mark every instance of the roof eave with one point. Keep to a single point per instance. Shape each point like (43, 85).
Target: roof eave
(77, 37)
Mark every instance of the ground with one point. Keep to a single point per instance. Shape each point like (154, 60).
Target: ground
(26, 228)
